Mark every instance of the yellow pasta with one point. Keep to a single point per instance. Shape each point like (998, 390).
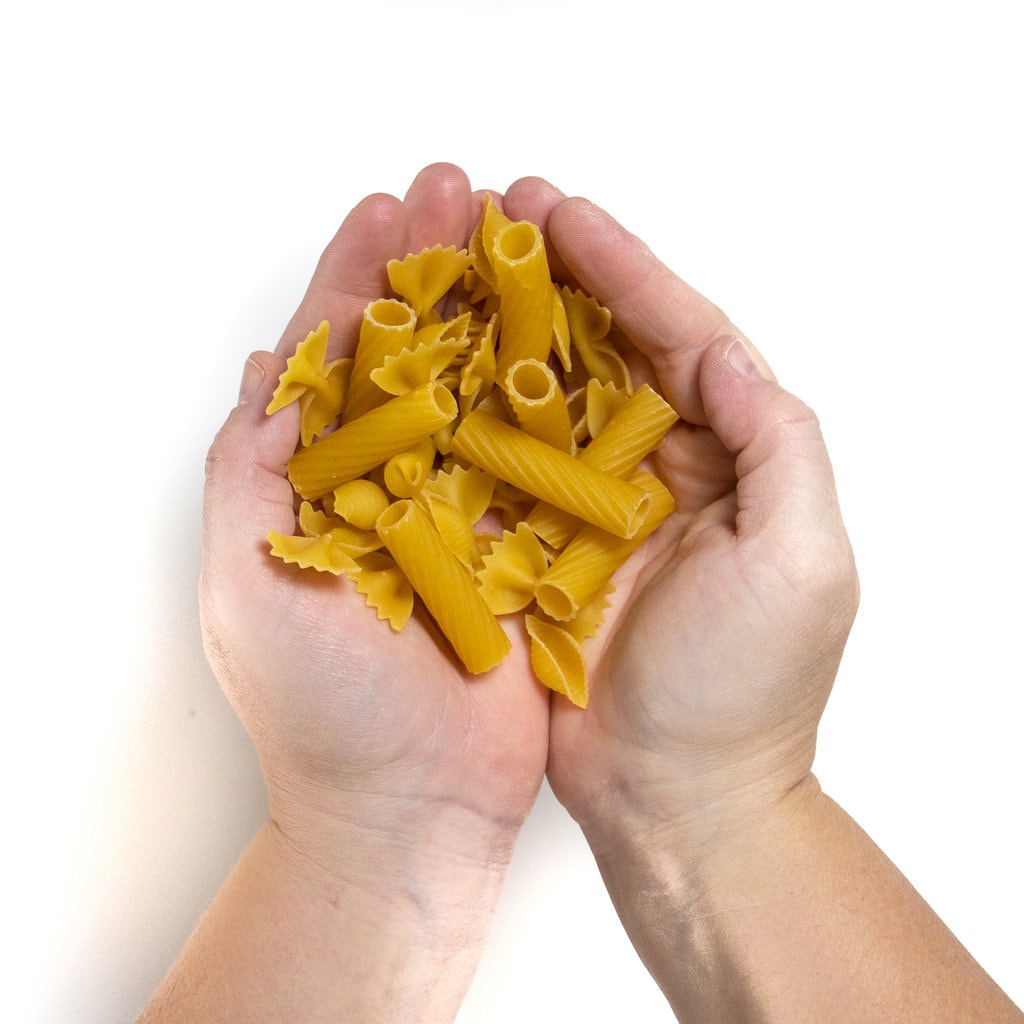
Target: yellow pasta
(479, 453)
(447, 589)
(635, 430)
(412, 368)
(466, 487)
(360, 502)
(589, 560)
(524, 288)
(406, 473)
(549, 474)
(557, 659)
(388, 327)
(512, 570)
(539, 403)
(455, 527)
(424, 278)
(364, 443)
(318, 553)
(319, 387)
(603, 401)
(589, 324)
(385, 587)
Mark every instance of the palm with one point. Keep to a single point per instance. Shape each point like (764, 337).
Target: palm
(355, 704)
(662, 616)
(332, 696)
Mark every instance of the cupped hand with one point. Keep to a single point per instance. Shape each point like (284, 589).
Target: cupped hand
(350, 719)
(717, 657)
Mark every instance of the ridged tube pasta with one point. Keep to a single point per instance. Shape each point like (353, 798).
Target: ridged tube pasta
(636, 429)
(551, 475)
(365, 443)
(524, 285)
(590, 559)
(445, 586)
(387, 328)
(539, 403)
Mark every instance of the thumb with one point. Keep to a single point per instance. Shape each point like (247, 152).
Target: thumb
(785, 486)
(247, 493)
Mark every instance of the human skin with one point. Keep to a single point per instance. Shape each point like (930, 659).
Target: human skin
(397, 784)
(749, 894)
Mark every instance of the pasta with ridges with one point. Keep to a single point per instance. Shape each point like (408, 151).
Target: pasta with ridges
(449, 461)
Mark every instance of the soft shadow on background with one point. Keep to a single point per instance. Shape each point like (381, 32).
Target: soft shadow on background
(845, 182)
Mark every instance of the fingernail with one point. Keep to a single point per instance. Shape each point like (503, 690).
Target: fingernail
(252, 378)
(742, 360)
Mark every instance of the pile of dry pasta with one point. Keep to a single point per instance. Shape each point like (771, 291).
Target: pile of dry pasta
(515, 410)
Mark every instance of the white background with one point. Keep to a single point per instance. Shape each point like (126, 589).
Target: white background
(844, 179)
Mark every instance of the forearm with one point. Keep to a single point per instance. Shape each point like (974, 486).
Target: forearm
(800, 919)
(387, 939)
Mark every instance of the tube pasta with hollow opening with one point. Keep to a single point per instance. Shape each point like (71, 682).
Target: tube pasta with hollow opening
(477, 451)
(539, 403)
(634, 431)
(524, 288)
(588, 562)
(387, 328)
(550, 474)
(362, 444)
(447, 589)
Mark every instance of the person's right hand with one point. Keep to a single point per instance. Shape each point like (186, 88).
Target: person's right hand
(720, 650)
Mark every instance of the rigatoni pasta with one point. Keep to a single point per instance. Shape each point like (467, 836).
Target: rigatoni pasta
(447, 589)
(364, 443)
(479, 453)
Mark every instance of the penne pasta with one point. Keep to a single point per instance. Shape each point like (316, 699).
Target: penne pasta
(634, 431)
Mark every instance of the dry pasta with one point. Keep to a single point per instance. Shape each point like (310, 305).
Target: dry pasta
(539, 403)
(586, 564)
(387, 329)
(363, 444)
(550, 474)
(447, 589)
(319, 387)
(478, 452)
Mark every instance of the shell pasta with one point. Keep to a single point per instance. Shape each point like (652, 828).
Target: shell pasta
(477, 451)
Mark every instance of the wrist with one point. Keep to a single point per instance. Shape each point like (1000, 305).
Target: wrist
(692, 804)
(673, 883)
(402, 919)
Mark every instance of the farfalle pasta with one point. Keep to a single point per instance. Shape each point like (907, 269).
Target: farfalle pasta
(479, 452)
